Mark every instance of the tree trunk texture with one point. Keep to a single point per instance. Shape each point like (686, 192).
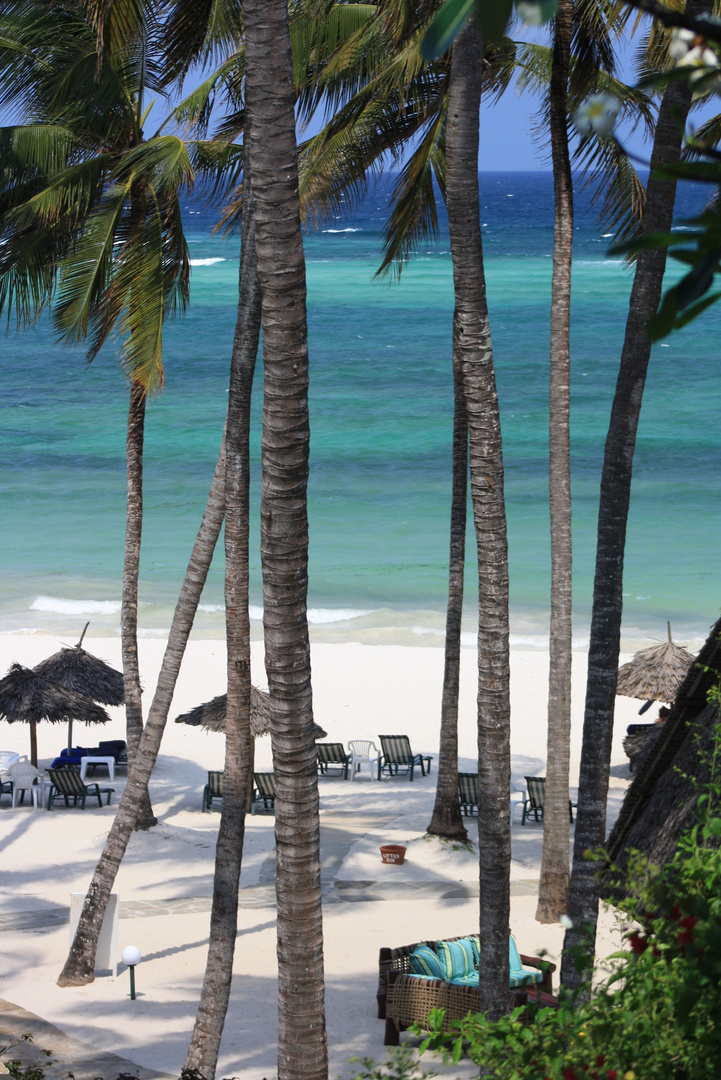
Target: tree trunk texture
(302, 1046)
(131, 573)
(238, 772)
(80, 964)
(447, 820)
(555, 869)
(579, 943)
(472, 334)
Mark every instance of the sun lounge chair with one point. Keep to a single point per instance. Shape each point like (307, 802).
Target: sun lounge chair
(406, 997)
(332, 755)
(468, 793)
(263, 790)
(212, 790)
(6, 787)
(536, 799)
(397, 756)
(66, 784)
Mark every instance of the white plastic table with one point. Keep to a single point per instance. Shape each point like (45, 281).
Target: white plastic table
(91, 759)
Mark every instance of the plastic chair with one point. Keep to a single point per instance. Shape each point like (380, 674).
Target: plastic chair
(363, 750)
(25, 777)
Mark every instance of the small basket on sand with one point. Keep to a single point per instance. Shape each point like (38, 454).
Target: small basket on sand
(393, 853)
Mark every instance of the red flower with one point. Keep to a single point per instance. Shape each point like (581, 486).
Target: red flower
(686, 938)
(639, 944)
(688, 923)
(600, 1060)
(611, 1074)
(569, 1074)
(674, 913)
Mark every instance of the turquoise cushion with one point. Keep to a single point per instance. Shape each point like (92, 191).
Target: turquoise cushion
(520, 975)
(456, 958)
(424, 961)
(466, 980)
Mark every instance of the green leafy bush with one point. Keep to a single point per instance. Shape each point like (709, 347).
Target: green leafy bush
(657, 1017)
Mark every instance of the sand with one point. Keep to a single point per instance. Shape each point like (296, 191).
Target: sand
(165, 882)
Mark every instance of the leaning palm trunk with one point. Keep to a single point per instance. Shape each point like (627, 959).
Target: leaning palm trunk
(131, 573)
(446, 820)
(204, 1046)
(302, 1046)
(472, 334)
(553, 885)
(80, 964)
(605, 635)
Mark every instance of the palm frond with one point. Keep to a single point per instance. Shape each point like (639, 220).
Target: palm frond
(413, 202)
(202, 31)
(85, 275)
(314, 40)
(162, 163)
(217, 165)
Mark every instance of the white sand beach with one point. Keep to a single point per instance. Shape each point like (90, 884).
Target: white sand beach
(165, 883)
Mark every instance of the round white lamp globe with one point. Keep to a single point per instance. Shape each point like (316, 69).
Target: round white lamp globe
(130, 955)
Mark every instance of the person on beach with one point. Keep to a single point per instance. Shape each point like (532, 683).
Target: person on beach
(662, 714)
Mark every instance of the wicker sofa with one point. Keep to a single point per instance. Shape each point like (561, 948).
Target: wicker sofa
(404, 998)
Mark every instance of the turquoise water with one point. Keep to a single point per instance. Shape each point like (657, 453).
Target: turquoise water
(381, 409)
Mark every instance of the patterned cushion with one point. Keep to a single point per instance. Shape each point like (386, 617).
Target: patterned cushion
(466, 980)
(456, 958)
(423, 961)
(520, 975)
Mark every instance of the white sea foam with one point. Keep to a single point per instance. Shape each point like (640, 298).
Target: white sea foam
(340, 230)
(206, 262)
(211, 607)
(319, 616)
(255, 612)
(62, 606)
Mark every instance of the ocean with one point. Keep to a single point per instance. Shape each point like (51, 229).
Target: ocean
(381, 412)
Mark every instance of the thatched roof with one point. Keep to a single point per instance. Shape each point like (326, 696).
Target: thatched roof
(78, 670)
(211, 716)
(28, 697)
(660, 804)
(655, 673)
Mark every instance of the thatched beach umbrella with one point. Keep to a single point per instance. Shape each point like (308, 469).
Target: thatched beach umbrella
(28, 697)
(655, 674)
(78, 670)
(211, 716)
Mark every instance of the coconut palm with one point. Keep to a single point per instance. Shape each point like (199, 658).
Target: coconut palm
(302, 1044)
(91, 220)
(607, 609)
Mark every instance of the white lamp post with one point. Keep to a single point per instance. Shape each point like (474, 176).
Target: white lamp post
(131, 956)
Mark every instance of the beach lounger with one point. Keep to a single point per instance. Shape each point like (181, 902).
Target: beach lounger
(332, 755)
(536, 799)
(397, 756)
(263, 790)
(212, 790)
(468, 793)
(66, 784)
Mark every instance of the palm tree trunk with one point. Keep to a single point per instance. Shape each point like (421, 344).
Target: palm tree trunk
(131, 573)
(204, 1046)
(302, 1046)
(472, 333)
(553, 885)
(446, 820)
(607, 609)
(80, 964)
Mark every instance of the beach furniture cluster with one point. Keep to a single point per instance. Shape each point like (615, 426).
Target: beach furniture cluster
(414, 979)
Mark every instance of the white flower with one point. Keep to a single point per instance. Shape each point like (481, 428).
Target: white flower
(681, 43)
(566, 923)
(597, 115)
(700, 56)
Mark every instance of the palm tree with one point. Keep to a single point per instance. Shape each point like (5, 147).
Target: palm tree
(472, 335)
(91, 217)
(607, 609)
(302, 1045)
